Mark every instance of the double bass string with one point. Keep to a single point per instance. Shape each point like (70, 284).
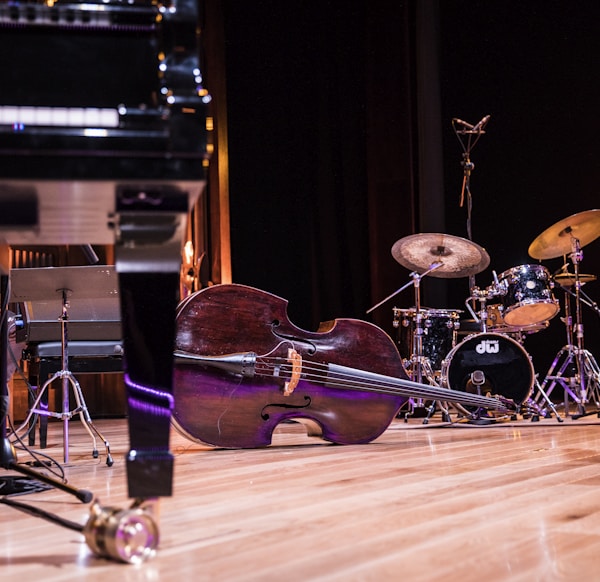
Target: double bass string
(345, 378)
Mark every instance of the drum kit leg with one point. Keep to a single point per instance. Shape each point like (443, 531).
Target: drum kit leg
(491, 360)
(574, 368)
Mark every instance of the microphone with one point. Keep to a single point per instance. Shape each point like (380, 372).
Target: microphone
(461, 122)
(479, 126)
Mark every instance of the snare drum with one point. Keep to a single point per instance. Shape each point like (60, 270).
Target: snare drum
(528, 296)
(489, 363)
(439, 333)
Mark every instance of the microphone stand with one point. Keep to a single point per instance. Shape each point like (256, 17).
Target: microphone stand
(473, 133)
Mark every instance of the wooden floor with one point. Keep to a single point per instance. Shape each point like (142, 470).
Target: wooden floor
(512, 501)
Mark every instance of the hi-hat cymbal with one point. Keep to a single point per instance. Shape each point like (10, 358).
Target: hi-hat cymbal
(569, 279)
(459, 257)
(556, 241)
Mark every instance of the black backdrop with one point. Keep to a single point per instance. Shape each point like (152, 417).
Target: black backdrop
(298, 128)
(532, 67)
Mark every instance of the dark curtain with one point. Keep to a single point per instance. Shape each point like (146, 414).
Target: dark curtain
(320, 149)
(341, 143)
(533, 67)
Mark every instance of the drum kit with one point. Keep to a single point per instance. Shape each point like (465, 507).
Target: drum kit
(485, 355)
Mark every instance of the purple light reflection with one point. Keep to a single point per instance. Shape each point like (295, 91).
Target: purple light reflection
(154, 400)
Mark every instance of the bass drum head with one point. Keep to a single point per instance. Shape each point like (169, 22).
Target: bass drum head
(489, 363)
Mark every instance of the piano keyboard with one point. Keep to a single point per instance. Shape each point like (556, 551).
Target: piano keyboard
(88, 117)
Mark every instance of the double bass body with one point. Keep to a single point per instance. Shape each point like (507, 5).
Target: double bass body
(231, 409)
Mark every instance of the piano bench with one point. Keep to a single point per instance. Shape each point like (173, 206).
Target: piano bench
(85, 357)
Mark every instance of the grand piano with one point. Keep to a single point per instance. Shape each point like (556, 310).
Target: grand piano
(103, 141)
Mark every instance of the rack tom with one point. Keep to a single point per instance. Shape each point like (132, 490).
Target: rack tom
(527, 297)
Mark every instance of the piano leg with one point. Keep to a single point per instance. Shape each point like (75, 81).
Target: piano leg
(148, 263)
(148, 303)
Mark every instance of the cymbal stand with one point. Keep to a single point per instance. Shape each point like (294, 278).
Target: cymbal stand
(67, 379)
(418, 366)
(573, 357)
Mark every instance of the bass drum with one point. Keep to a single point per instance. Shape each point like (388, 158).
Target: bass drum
(489, 363)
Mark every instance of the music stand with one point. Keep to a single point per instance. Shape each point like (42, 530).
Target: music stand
(65, 284)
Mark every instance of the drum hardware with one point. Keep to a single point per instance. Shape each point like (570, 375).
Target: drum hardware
(438, 330)
(534, 404)
(421, 367)
(443, 256)
(433, 407)
(439, 255)
(483, 317)
(574, 367)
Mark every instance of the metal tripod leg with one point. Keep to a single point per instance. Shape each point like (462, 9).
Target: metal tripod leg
(590, 373)
(545, 396)
(556, 375)
(65, 415)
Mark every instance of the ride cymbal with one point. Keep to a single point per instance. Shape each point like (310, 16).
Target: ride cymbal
(556, 241)
(459, 257)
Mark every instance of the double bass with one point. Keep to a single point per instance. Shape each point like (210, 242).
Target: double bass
(241, 367)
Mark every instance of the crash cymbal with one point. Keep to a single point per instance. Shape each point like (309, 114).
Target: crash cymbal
(568, 279)
(556, 240)
(459, 257)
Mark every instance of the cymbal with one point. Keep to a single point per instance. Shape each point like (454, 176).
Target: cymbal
(569, 279)
(459, 257)
(556, 240)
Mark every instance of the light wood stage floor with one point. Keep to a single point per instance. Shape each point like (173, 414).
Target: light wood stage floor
(511, 501)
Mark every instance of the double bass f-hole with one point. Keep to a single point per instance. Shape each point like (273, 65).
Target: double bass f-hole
(311, 348)
(265, 415)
